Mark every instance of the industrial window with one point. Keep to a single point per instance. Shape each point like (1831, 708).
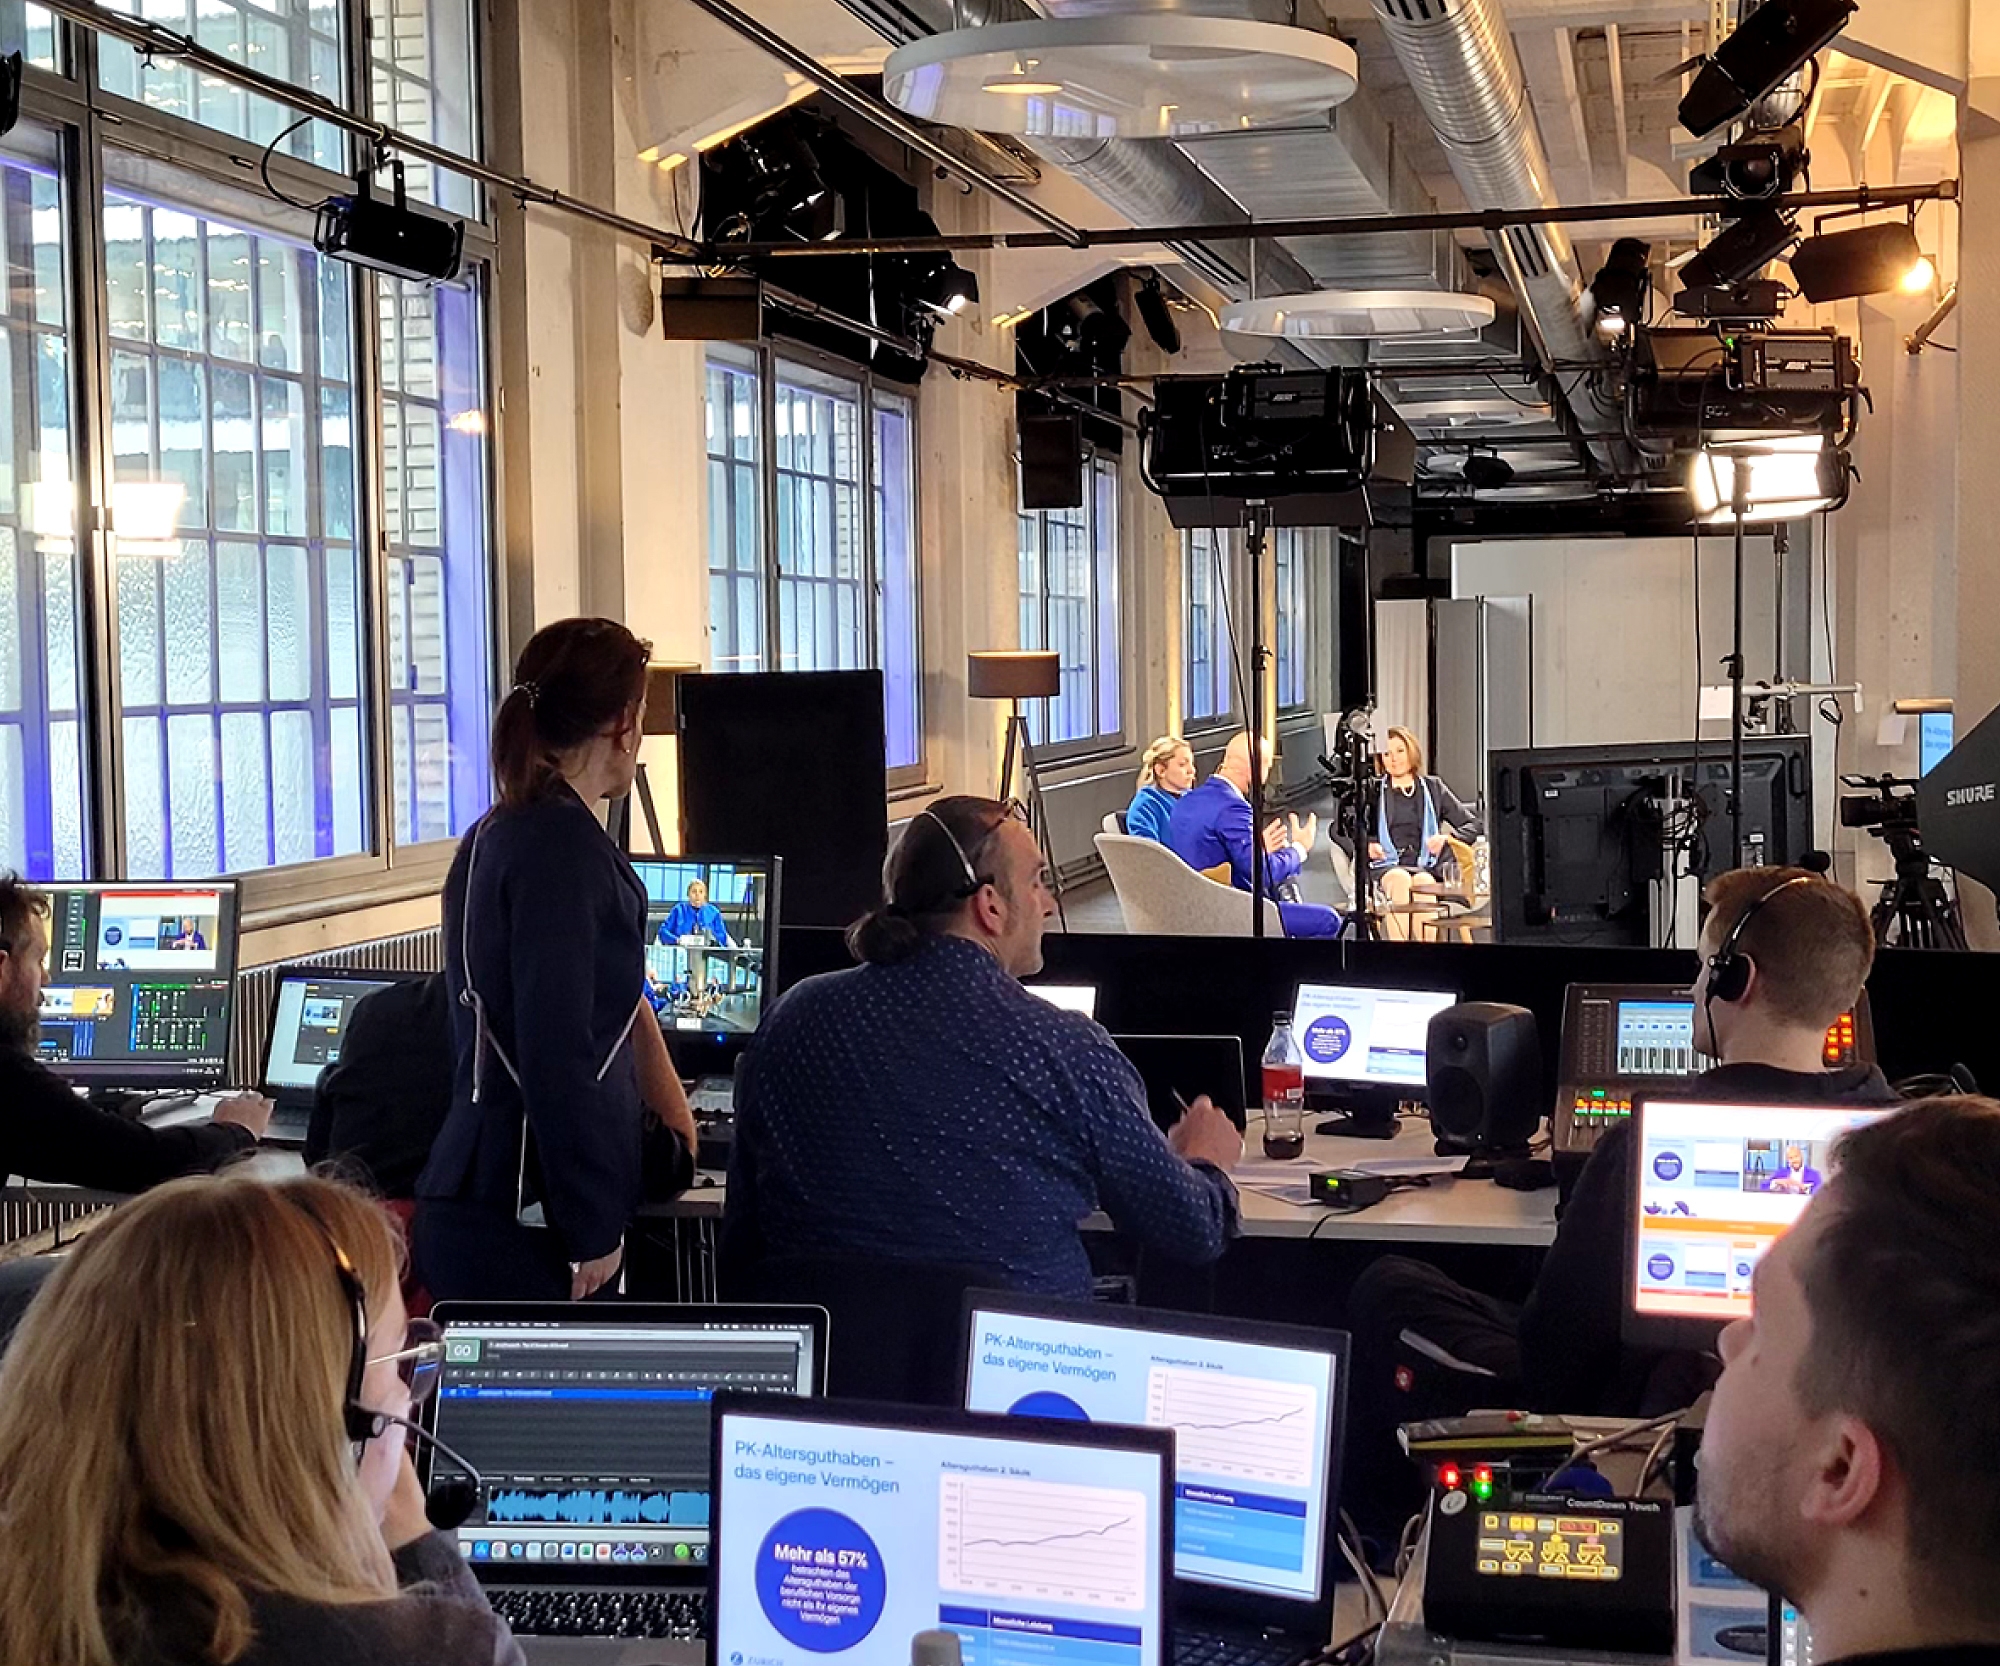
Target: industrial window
(1211, 615)
(1294, 617)
(1068, 563)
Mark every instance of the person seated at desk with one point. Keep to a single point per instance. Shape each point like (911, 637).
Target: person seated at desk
(202, 1446)
(46, 1132)
(1166, 772)
(1425, 1346)
(1211, 828)
(379, 1106)
(1834, 1455)
(925, 1107)
(1409, 846)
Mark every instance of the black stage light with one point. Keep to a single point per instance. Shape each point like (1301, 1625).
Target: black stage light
(1488, 474)
(1157, 316)
(1741, 250)
(1755, 298)
(947, 289)
(1775, 41)
(1865, 261)
(1621, 286)
(1099, 330)
(1758, 168)
(389, 237)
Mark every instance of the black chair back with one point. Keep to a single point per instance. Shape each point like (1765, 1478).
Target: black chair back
(19, 1280)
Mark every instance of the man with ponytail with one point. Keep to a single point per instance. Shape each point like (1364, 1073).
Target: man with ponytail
(562, 1074)
(924, 1107)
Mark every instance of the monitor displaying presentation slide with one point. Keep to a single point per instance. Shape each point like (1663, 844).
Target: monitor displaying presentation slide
(139, 984)
(1071, 997)
(711, 940)
(1351, 1033)
(309, 1023)
(840, 1533)
(1255, 1410)
(1716, 1185)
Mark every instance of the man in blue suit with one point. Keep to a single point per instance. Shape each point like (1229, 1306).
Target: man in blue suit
(1211, 825)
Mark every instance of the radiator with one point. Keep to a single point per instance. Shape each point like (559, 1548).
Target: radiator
(257, 989)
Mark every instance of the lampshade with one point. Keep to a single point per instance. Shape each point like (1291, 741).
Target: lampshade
(1358, 314)
(1012, 674)
(662, 698)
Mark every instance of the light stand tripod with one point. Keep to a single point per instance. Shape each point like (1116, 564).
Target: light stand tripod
(1037, 808)
(1014, 675)
(1256, 525)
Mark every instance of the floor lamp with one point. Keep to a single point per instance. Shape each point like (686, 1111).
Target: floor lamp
(1014, 675)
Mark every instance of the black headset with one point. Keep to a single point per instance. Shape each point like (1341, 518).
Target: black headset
(1729, 967)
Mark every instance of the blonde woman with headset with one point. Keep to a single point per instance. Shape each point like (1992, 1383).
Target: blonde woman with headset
(202, 1446)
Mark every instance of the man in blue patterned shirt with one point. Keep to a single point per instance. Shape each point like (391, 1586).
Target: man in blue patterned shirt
(923, 1106)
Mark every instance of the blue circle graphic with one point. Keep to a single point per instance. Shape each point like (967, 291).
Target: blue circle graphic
(113, 936)
(1668, 1165)
(1327, 1039)
(1661, 1268)
(1743, 1268)
(820, 1581)
(1047, 1403)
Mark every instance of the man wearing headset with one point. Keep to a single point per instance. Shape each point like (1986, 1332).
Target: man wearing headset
(1784, 953)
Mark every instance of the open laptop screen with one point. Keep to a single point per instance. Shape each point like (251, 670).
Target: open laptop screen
(309, 1024)
(589, 1425)
(1256, 1412)
(845, 1530)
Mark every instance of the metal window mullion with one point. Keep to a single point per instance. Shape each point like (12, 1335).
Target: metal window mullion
(372, 555)
(871, 572)
(767, 608)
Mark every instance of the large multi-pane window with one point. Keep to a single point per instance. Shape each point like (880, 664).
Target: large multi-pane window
(1069, 603)
(1294, 617)
(290, 613)
(812, 559)
(1208, 598)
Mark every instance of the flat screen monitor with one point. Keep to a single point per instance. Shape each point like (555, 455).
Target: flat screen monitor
(1357, 1035)
(309, 1019)
(711, 952)
(1934, 740)
(1714, 1186)
(140, 985)
(1071, 997)
(588, 1426)
(841, 1531)
(1256, 1410)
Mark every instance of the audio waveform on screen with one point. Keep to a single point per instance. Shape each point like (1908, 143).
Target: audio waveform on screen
(586, 1507)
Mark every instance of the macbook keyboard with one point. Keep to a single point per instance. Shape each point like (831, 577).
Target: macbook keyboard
(1209, 1648)
(676, 1614)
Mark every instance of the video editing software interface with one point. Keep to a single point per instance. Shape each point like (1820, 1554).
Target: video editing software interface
(843, 1539)
(1254, 1428)
(1718, 1185)
(592, 1439)
(310, 1024)
(138, 986)
(1366, 1036)
(708, 942)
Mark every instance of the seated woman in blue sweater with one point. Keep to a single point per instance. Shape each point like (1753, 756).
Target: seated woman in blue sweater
(1165, 772)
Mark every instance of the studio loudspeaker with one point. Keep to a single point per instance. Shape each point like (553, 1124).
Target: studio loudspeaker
(1051, 460)
(1484, 1069)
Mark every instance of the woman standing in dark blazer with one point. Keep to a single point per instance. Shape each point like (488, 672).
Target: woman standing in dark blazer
(536, 1172)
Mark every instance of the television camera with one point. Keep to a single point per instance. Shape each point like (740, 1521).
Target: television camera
(1914, 908)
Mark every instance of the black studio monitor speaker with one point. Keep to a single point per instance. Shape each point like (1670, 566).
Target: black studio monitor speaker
(1051, 461)
(1484, 1070)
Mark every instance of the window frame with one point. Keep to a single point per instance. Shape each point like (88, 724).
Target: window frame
(1302, 559)
(68, 109)
(1231, 594)
(1101, 741)
(767, 356)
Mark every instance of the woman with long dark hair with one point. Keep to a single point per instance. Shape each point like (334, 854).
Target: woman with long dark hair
(537, 1170)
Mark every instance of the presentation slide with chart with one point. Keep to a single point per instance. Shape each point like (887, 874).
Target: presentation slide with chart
(159, 931)
(839, 1539)
(1252, 1425)
(1717, 1186)
(1352, 1034)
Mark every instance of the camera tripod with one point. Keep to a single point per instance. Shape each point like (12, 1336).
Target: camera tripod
(1914, 909)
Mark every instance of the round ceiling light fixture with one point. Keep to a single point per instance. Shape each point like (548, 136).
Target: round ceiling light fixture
(1359, 315)
(1149, 75)
(1472, 416)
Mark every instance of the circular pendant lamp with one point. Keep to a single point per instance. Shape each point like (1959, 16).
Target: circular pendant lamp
(1150, 75)
(1359, 315)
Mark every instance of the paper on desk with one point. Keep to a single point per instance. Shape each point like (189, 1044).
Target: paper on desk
(1405, 1167)
(1285, 1181)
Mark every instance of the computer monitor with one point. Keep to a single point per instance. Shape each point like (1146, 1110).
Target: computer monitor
(1789, 1639)
(1714, 1186)
(844, 1530)
(1257, 1412)
(309, 1018)
(1934, 740)
(1355, 1035)
(588, 1425)
(140, 985)
(1071, 997)
(711, 942)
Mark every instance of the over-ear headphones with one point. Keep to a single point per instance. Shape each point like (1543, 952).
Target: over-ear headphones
(1729, 967)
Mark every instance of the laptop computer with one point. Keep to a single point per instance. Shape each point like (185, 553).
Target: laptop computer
(588, 1426)
(309, 1018)
(843, 1529)
(1257, 1411)
(1176, 1068)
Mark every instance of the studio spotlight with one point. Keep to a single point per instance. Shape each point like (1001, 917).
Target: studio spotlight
(389, 237)
(1775, 41)
(951, 290)
(1620, 288)
(1757, 169)
(1157, 316)
(1865, 261)
(1741, 250)
(1096, 328)
(1784, 477)
(1488, 474)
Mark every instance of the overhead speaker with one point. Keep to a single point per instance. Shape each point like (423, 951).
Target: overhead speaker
(1051, 461)
(1483, 1066)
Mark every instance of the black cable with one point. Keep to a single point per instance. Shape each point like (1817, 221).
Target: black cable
(264, 170)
